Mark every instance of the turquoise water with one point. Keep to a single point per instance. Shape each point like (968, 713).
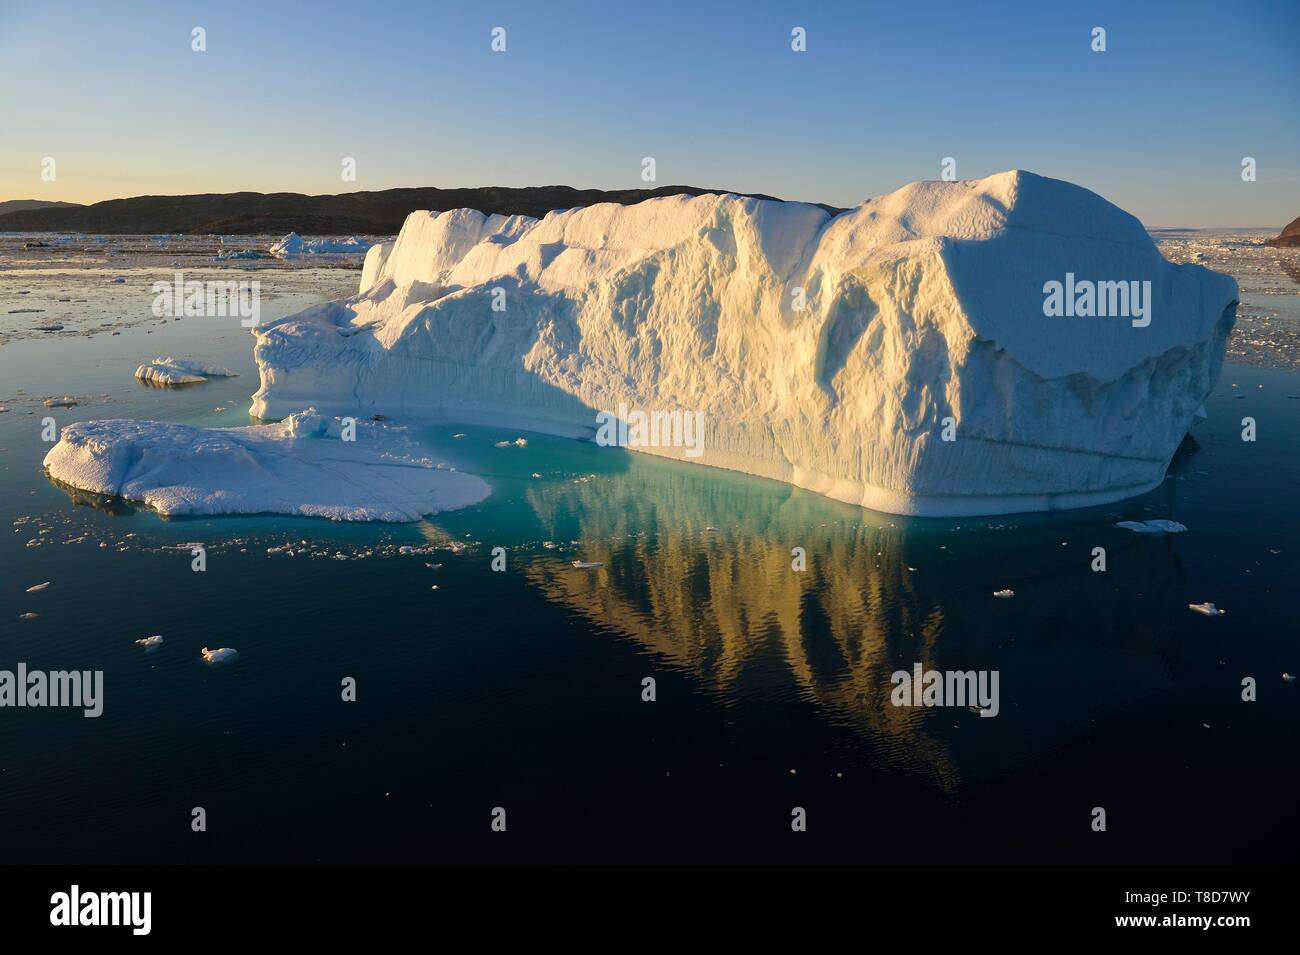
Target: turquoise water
(522, 689)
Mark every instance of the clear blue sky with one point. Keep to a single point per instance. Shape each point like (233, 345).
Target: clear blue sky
(1158, 123)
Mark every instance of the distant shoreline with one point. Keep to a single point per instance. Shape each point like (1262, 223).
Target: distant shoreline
(352, 213)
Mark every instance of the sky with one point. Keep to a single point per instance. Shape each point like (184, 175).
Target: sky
(1159, 123)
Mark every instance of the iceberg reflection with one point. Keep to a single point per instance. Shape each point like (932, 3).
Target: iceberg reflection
(698, 570)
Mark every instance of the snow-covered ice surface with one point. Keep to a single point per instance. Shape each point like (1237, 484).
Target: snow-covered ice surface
(180, 371)
(922, 305)
(300, 466)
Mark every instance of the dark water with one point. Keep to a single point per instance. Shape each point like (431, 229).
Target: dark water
(522, 689)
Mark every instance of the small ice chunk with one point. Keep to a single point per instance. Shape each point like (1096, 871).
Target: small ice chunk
(516, 443)
(311, 424)
(180, 371)
(151, 643)
(37, 588)
(28, 616)
(588, 564)
(1004, 594)
(1208, 609)
(218, 656)
(1153, 527)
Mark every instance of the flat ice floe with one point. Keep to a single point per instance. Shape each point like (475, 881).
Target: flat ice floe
(1008, 344)
(300, 466)
(180, 371)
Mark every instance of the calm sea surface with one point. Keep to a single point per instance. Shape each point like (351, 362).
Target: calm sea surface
(523, 689)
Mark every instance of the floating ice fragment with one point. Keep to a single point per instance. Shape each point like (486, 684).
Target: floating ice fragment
(180, 371)
(588, 564)
(1153, 527)
(151, 643)
(293, 245)
(36, 588)
(1004, 594)
(218, 656)
(1208, 609)
(297, 466)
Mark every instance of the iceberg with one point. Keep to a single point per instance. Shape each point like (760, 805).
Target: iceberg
(911, 355)
(180, 371)
(294, 245)
(299, 466)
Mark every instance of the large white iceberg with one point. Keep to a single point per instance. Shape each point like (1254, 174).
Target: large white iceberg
(300, 466)
(900, 355)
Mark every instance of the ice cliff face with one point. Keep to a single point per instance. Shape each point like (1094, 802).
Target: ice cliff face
(897, 356)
